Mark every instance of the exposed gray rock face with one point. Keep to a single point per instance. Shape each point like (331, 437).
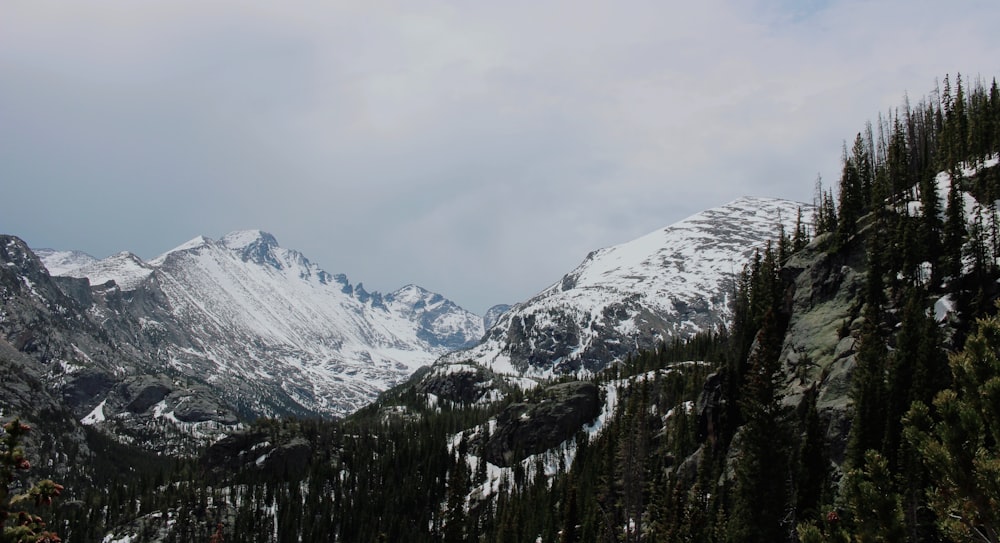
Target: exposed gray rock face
(524, 429)
(493, 315)
(709, 408)
(818, 350)
(820, 344)
(54, 431)
(91, 357)
(458, 384)
(145, 393)
(260, 454)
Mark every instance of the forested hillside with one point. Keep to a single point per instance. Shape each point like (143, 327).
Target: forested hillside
(855, 396)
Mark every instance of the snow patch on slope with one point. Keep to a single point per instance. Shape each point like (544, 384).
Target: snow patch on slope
(127, 270)
(95, 416)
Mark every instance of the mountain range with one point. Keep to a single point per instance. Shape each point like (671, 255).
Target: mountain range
(215, 332)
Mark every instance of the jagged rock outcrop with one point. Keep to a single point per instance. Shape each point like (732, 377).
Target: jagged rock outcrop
(823, 306)
(818, 352)
(493, 314)
(259, 452)
(524, 429)
(57, 445)
(709, 408)
(458, 383)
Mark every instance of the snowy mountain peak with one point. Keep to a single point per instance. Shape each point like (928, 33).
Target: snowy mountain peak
(60, 262)
(416, 296)
(261, 248)
(493, 314)
(241, 239)
(672, 282)
(190, 245)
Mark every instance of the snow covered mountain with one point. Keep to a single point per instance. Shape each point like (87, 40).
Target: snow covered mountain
(673, 282)
(267, 329)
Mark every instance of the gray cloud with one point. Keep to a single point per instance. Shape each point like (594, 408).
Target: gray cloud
(478, 149)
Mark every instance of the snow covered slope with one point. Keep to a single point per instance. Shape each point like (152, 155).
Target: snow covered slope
(60, 262)
(673, 282)
(127, 270)
(272, 331)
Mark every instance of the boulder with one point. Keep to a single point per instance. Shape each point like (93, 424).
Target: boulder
(460, 384)
(145, 392)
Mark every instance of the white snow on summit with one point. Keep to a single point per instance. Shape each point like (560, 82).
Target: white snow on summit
(243, 238)
(191, 244)
(672, 282)
(126, 269)
(62, 262)
(256, 315)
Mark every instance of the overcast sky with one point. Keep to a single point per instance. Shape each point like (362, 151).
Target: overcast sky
(478, 149)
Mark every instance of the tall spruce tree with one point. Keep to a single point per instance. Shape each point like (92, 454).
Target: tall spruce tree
(852, 198)
(813, 474)
(954, 230)
(929, 237)
(760, 494)
(867, 381)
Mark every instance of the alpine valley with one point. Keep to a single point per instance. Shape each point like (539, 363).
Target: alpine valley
(761, 371)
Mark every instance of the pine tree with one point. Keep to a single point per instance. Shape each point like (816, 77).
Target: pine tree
(959, 440)
(826, 209)
(994, 111)
(899, 375)
(875, 508)
(960, 120)
(954, 230)
(852, 203)
(812, 476)
(760, 495)
(458, 486)
(929, 237)
(948, 159)
(571, 515)
(868, 387)
(25, 526)
(801, 237)
(897, 165)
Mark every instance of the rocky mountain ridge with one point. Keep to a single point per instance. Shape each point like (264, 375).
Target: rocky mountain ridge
(254, 312)
(671, 283)
(213, 332)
